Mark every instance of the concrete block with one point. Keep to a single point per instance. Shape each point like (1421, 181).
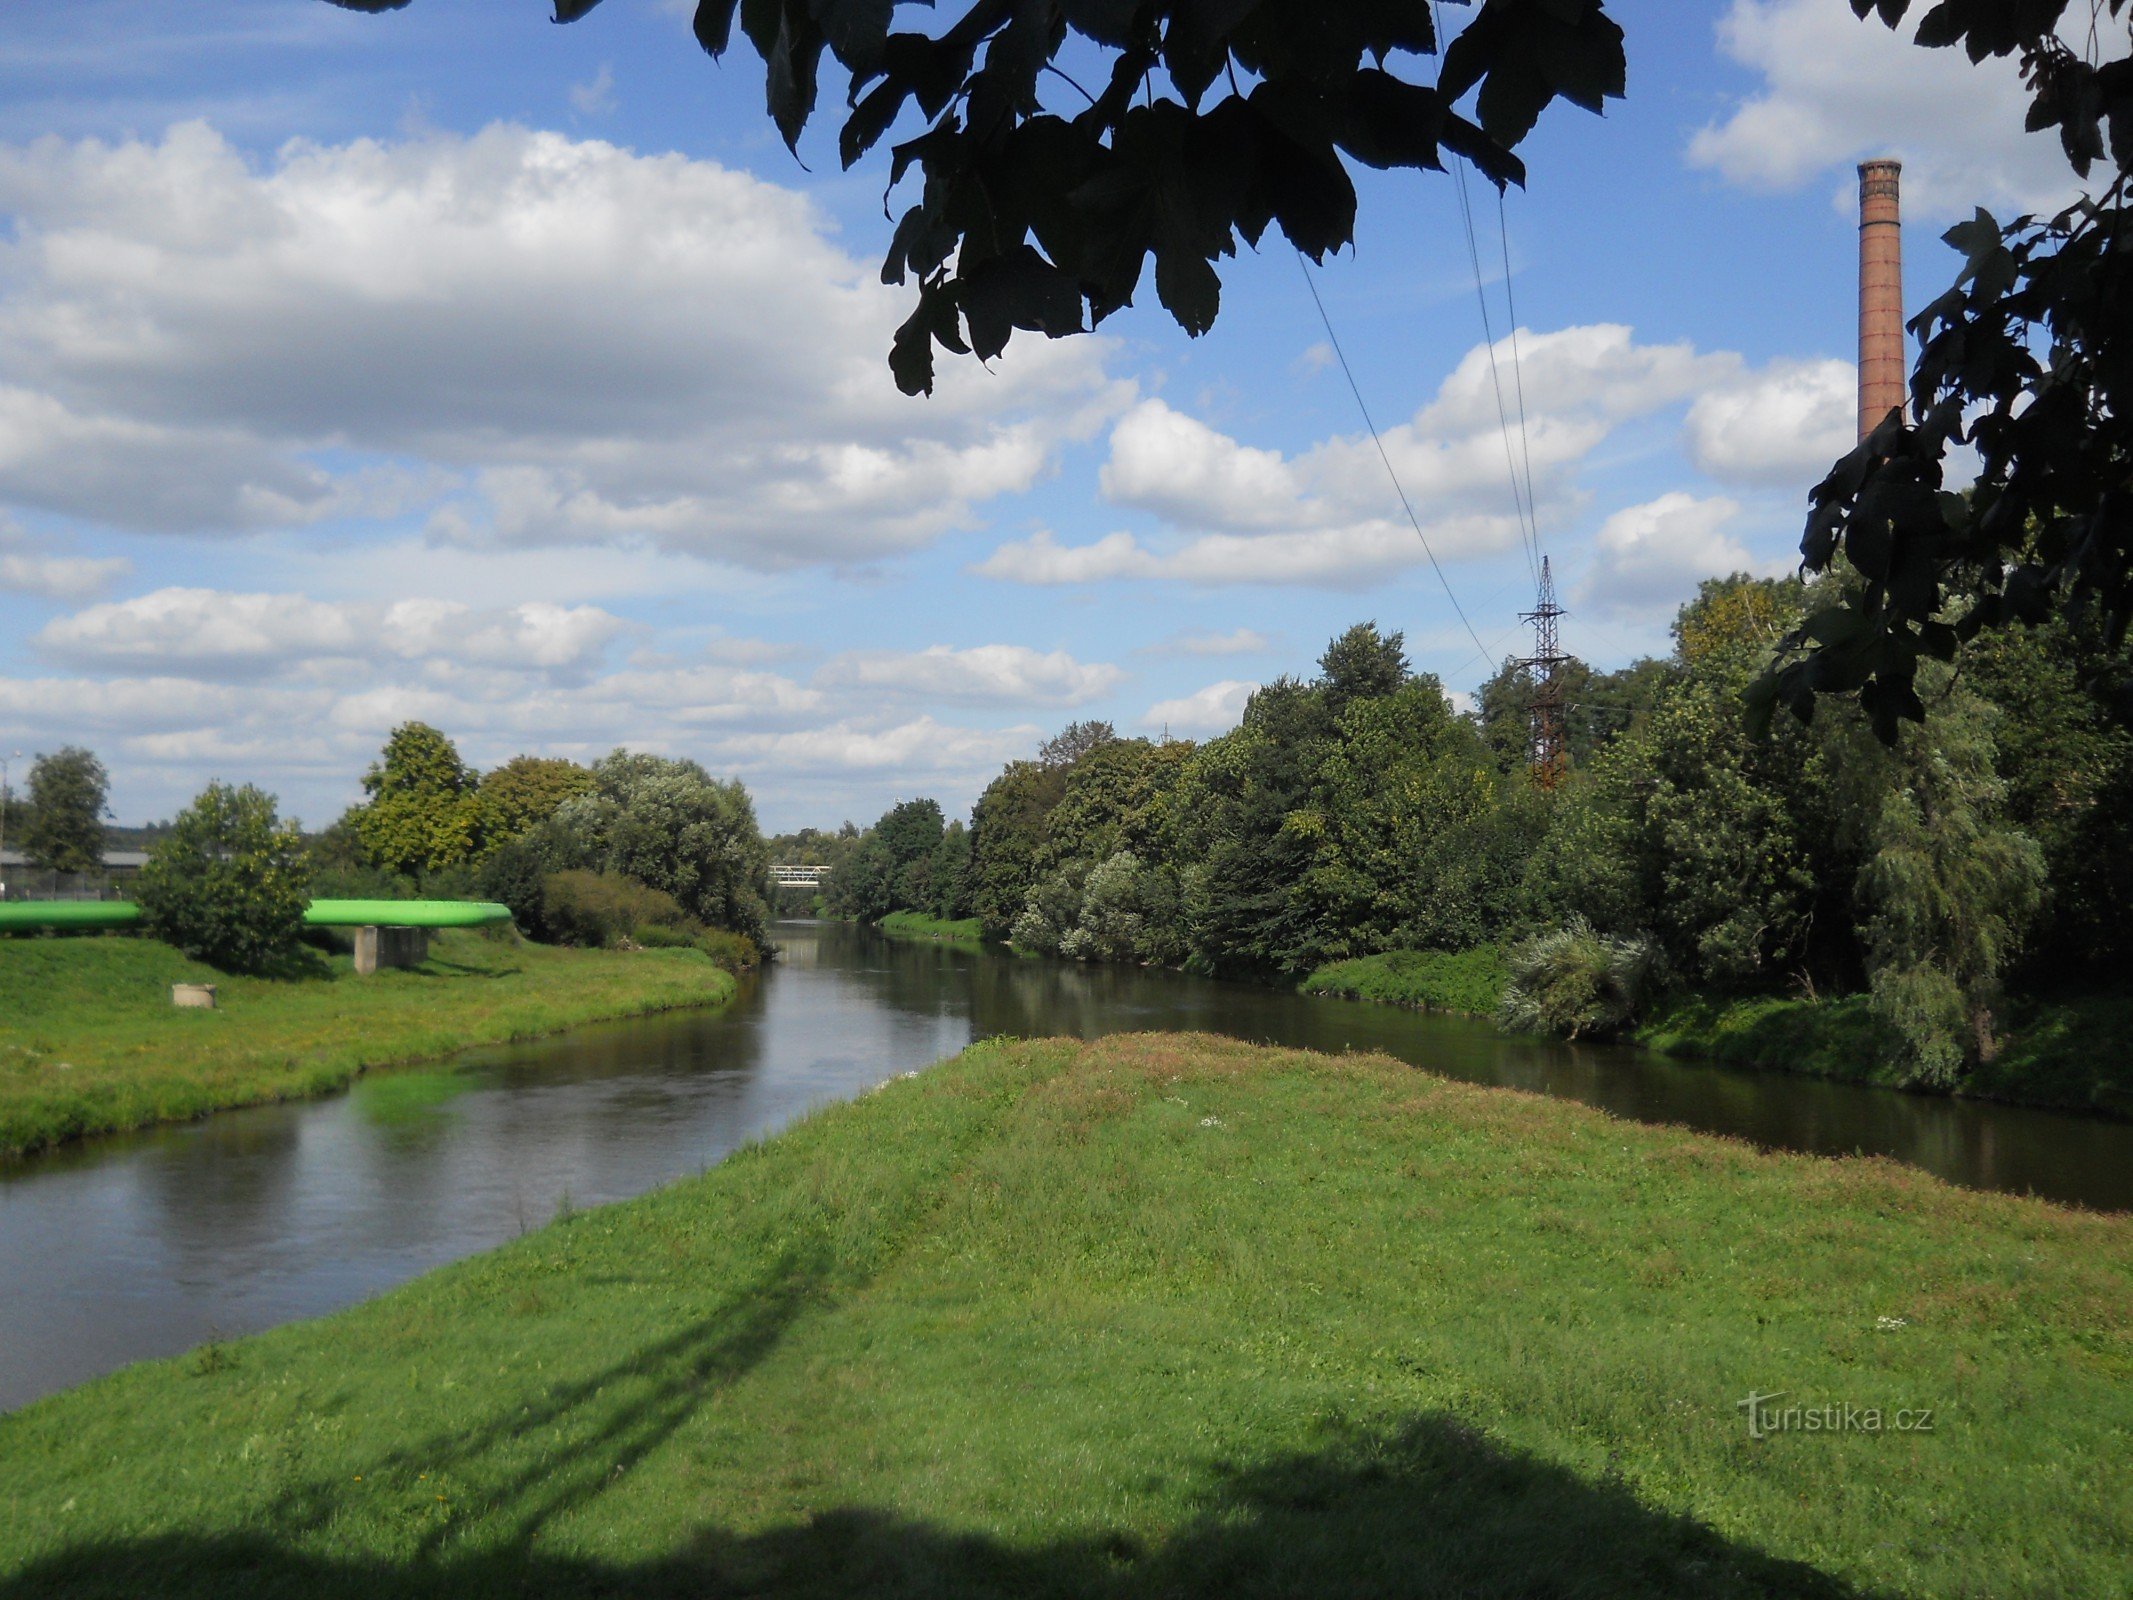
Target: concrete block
(193, 996)
(376, 948)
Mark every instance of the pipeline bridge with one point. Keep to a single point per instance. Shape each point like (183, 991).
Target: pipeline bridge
(796, 875)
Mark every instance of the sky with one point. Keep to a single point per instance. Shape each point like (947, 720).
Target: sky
(451, 365)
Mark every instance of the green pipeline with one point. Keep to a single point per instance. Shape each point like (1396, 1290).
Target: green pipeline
(320, 913)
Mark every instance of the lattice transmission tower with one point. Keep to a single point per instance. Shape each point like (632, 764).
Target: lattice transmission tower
(1546, 752)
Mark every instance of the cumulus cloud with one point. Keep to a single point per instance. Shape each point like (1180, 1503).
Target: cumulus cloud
(1328, 516)
(1003, 673)
(596, 96)
(1837, 90)
(1213, 709)
(535, 339)
(216, 633)
(1648, 559)
(1783, 425)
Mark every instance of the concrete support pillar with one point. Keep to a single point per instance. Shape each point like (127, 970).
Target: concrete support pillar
(389, 947)
(1881, 363)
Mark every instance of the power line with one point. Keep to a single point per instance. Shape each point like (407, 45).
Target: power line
(1414, 521)
(1518, 377)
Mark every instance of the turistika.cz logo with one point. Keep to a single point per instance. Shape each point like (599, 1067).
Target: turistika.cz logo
(1766, 1417)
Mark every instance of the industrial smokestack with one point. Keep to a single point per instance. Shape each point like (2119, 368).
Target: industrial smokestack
(1880, 295)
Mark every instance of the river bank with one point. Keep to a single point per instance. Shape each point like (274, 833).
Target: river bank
(2066, 1054)
(91, 1043)
(918, 925)
(1148, 1316)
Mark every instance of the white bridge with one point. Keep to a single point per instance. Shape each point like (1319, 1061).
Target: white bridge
(784, 876)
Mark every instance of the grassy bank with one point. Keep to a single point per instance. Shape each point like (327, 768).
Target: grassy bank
(1468, 982)
(90, 1043)
(917, 925)
(2070, 1053)
(1153, 1316)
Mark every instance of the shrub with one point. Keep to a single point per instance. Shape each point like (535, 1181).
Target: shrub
(597, 908)
(1575, 981)
(516, 876)
(736, 952)
(226, 884)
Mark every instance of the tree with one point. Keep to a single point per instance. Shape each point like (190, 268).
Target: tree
(67, 811)
(2028, 361)
(524, 792)
(1947, 892)
(670, 825)
(1362, 664)
(424, 811)
(1007, 830)
(226, 884)
(1025, 212)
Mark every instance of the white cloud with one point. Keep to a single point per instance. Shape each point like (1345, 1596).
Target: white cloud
(531, 339)
(1237, 642)
(1648, 559)
(1040, 559)
(215, 633)
(596, 96)
(1837, 90)
(58, 577)
(1328, 516)
(922, 748)
(1002, 673)
(1783, 425)
(1213, 709)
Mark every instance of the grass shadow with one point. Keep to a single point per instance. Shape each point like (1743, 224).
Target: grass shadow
(1428, 1507)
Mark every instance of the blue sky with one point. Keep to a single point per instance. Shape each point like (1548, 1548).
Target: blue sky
(450, 364)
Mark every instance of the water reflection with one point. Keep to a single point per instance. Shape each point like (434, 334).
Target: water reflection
(151, 1244)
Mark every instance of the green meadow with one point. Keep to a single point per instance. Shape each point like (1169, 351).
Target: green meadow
(1154, 1316)
(90, 1043)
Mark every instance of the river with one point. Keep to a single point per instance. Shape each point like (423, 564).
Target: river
(148, 1244)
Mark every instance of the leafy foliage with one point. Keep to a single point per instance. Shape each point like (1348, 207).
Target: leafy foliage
(600, 908)
(424, 812)
(2028, 361)
(226, 884)
(1038, 196)
(67, 809)
(524, 792)
(668, 824)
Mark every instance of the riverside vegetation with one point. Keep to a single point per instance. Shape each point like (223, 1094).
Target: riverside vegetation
(1942, 914)
(1155, 1315)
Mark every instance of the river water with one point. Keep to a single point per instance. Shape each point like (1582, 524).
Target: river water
(148, 1244)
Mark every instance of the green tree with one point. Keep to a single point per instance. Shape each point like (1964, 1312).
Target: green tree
(1007, 830)
(1948, 890)
(424, 810)
(951, 874)
(670, 825)
(1362, 664)
(67, 809)
(226, 884)
(525, 792)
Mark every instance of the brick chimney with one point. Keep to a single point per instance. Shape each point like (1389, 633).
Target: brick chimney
(1881, 364)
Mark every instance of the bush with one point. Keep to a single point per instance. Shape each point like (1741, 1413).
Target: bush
(597, 908)
(516, 876)
(1576, 981)
(736, 952)
(226, 884)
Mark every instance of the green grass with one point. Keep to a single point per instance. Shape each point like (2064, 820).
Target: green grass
(90, 1043)
(1153, 1316)
(1468, 982)
(2069, 1053)
(917, 925)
